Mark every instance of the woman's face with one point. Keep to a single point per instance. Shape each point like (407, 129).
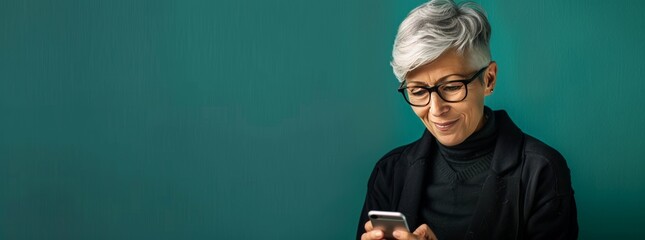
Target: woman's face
(452, 123)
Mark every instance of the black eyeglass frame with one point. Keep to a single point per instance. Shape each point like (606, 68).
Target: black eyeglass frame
(435, 88)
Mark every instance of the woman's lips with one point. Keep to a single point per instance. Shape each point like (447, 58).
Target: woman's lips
(444, 126)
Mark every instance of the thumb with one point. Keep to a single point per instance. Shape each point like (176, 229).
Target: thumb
(424, 232)
(403, 235)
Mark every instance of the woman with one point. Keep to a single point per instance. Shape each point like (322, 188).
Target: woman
(473, 174)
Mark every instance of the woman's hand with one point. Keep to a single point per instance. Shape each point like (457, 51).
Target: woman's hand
(371, 233)
(423, 232)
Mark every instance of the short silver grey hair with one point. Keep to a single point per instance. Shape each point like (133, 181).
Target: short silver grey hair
(433, 28)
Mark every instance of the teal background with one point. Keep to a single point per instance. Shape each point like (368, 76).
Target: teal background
(262, 119)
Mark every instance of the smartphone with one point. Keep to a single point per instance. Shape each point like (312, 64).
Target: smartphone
(388, 222)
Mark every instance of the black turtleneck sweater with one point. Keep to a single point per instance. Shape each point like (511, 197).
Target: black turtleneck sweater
(455, 177)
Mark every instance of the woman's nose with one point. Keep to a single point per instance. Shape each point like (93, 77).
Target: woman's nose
(437, 105)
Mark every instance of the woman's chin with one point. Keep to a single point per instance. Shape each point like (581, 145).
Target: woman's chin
(449, 140)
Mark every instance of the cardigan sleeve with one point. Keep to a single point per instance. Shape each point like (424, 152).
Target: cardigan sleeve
(550, 206)
(555, 219)
(370, 203)
(379, 188)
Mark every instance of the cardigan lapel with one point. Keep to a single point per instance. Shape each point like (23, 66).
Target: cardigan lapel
(510, 141)
(413, 186)
(496, 209)
(496, 206)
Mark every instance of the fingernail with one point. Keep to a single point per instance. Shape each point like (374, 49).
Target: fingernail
(377, 234)
(397, 234)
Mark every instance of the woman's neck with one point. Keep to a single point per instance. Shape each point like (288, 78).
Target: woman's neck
(479, 143)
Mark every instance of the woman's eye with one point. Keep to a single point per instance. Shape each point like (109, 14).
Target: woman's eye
(417, 91)
(452, 88)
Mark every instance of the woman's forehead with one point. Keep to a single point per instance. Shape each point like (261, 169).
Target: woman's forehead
(438, 75)
(449, 65)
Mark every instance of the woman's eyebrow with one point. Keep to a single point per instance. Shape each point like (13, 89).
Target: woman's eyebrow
(441, 79)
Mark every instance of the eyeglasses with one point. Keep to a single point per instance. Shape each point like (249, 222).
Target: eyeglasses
(452, 91)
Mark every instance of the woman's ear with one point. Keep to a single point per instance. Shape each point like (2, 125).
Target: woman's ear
(490, 78)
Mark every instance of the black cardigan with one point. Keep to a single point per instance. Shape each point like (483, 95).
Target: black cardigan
(527, 194)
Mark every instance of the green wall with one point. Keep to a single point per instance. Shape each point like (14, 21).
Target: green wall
(262, 119)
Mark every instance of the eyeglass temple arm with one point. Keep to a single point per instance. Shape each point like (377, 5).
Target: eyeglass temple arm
(401, 86)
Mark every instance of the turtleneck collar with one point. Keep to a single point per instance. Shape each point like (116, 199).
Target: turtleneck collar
(476, 145)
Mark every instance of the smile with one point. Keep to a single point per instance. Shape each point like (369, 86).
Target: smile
(444, 126)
